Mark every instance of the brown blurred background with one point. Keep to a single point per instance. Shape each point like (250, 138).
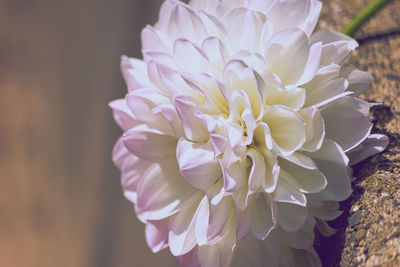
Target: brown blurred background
(60, 197)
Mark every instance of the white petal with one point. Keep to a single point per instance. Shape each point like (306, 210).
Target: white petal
(182, 236)
(152, 39)
(122, 114)
(134, 72)
(315, 128)
(277, 94)
(288, 46)
(336, 46)
(149, 143)
(239, 77)
(347, 121)
(190, 58)
(238, 22)
(313, 63)
(373, 144)
(257, 171)
(162, 192)
(333, 163)
(359, 81)
(306, 180)
(142, 102)
(197, 164)
(186, 23)
(294, 13)
(291, 217)
(326, 85)
(157, 235)
(216, 52)
(309, 24)
(288, 193)
(193, 125)
(287, 128)
(261, 218)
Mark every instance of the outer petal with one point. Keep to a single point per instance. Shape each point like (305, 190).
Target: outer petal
(336, 46)
(162, 192)
(157, 234)
(359, 81)
(262, 220)
(347, 121)
(373, 144)
(333, 162)
(134, 72)
(122, 114)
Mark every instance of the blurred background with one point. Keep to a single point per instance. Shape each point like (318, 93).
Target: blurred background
(60, 196)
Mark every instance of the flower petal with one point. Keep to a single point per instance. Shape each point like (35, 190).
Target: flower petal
(197, 164)
(336, 46)
(347, 121)
(122, 114)
(359, 81)
(288, 46)
(373, 144)
(157, 235)
(261, 218)
(287, 128)
(134, 72)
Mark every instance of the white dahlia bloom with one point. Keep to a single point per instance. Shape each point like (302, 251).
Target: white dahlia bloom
(238, 125)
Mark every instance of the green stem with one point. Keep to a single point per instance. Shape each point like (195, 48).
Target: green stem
(364, 15)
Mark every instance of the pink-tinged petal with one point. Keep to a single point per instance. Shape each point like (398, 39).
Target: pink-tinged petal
(152, 39)
(190, 259)
(216, 192)
(289, 14)
(288, 193)
(214, 221)
(197, 164)
(315, 129)
(336, 46)
(157, 235)
(162, 192)
(291, 217)
(165, 14)
(170, 114)
(189, 114)
(122, 114)
(186, 23)
(216, 53)
(287, 128)
(206, 5)
(305, 179)
(359, 81)
(190, 58)
(261, 217)
(347, 121)
(134, 72)
(150, 144)
(333, 163)
(373, 144)
(155, 78)
(288, 46)
(238, 22)
(257, 170)
(142, 103)
(182, 236)
(234, 177)
(160, 57)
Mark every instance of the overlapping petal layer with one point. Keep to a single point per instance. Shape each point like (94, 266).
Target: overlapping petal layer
(238, 126)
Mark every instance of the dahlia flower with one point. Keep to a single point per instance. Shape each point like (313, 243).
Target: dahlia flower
(240, 125)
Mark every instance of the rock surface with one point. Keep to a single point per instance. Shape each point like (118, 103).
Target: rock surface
(369, 229)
